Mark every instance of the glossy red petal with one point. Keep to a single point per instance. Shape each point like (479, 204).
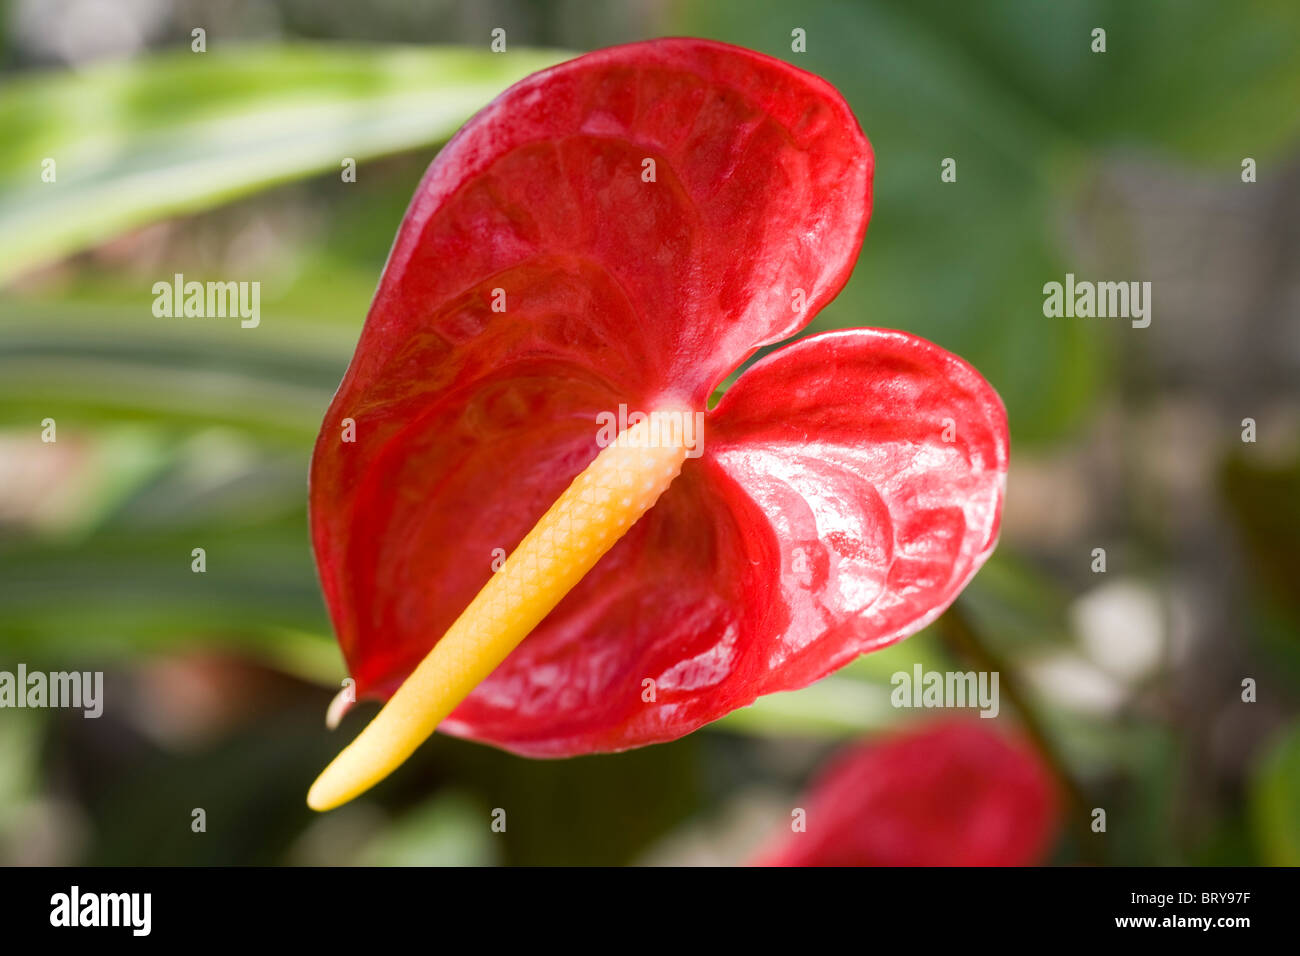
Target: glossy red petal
(950, 794)
(762, 186)
(827, 517)
(879, 461)
(468, 421)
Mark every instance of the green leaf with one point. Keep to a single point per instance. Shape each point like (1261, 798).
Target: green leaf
(832, 707)
(1212, 82)
(450, 829)
(91, 365)
(1275, 801)
(20, 745)
(854, 700)
(179, 132)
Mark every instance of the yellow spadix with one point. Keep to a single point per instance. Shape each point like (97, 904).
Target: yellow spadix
(606, 499)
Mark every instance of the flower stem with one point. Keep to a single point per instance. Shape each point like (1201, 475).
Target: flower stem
(956, 628)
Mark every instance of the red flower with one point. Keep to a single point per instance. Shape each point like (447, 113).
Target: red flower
(624, 230)
(950, 794)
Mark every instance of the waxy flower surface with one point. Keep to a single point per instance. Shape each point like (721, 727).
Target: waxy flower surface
(621, 232)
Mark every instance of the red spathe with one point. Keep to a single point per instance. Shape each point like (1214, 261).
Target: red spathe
(849, 485)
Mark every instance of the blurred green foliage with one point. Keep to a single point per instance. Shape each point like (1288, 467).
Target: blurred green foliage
(1276, 804)
(138, 141)
(184, 434)
(1012, 91)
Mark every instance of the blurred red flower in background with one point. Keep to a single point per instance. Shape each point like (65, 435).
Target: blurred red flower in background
(953, 793)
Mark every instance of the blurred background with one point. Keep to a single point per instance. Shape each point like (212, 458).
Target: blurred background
(174, 434)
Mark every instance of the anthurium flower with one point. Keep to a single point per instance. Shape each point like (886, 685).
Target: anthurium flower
(953, 793)
(603, 244)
